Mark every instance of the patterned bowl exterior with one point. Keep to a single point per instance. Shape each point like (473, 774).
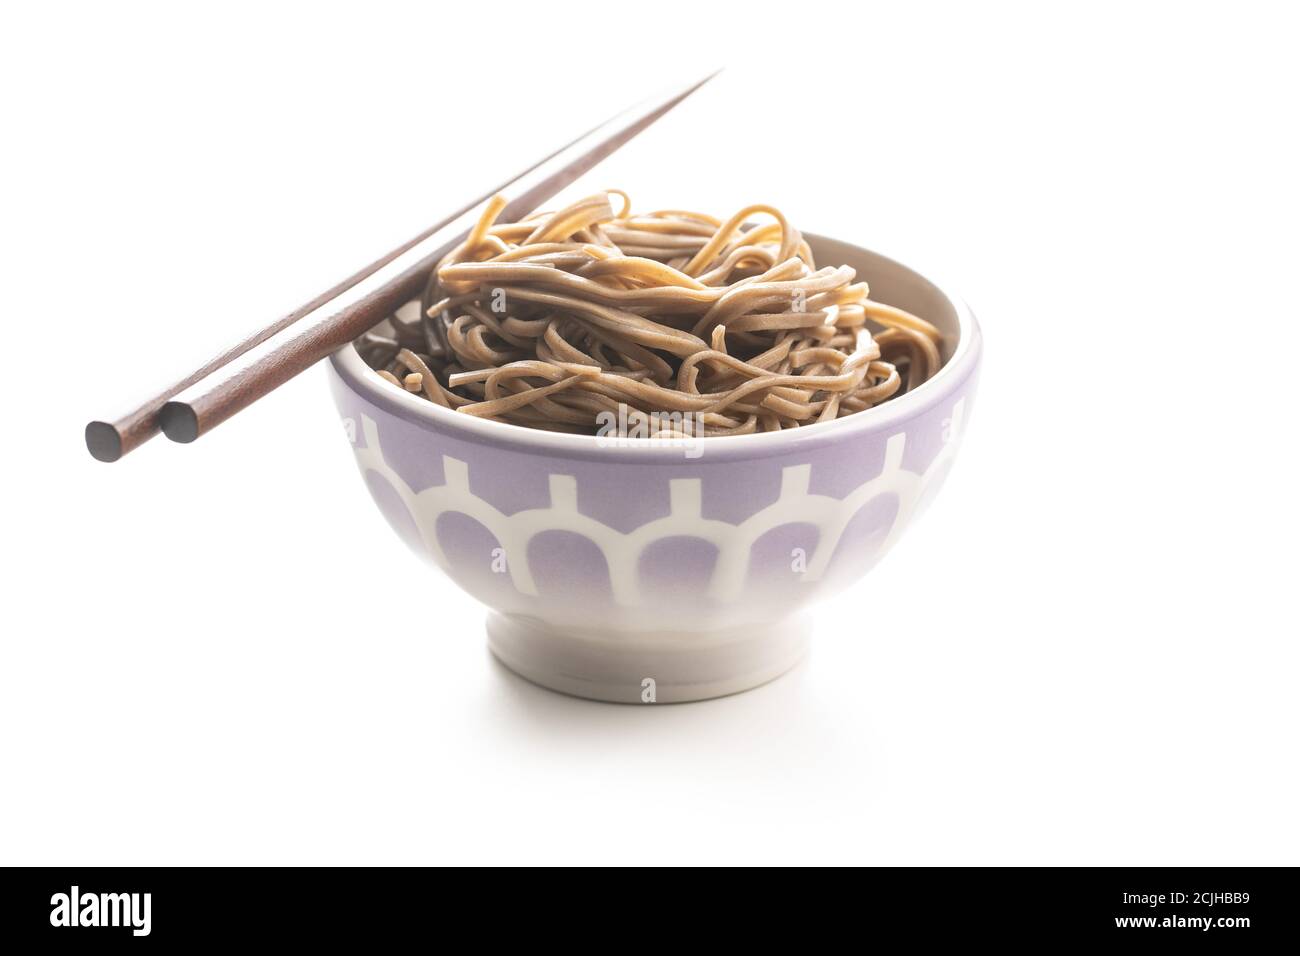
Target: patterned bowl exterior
(642, 537)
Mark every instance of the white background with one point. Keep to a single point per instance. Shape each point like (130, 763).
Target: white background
(1084, 654)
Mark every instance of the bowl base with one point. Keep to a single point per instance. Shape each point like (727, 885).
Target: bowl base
(646, 668)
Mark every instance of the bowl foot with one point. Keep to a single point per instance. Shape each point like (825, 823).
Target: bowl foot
(646, 668)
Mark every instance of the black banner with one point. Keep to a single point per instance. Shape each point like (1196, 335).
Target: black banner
(134, 908)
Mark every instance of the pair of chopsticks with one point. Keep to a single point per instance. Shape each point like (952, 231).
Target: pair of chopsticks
(267, 359)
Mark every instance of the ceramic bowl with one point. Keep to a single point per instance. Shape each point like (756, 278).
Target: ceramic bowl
(667, 571)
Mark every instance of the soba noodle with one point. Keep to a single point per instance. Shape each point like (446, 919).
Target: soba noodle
(668, 322)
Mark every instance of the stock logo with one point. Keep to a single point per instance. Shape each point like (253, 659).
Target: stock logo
(101, 910)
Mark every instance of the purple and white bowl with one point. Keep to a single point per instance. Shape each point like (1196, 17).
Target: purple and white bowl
(670, 571)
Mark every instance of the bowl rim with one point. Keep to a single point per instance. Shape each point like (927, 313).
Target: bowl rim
(347, 362)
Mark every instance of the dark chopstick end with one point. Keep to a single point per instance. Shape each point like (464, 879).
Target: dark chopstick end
(179, 423)
(103, 441)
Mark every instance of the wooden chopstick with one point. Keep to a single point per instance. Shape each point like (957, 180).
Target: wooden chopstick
(109, 440)
(271, 356)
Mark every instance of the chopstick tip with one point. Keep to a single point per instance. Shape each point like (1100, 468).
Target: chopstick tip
(103, 441)
(178, 422)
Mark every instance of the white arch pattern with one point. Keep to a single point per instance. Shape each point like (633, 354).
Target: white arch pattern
(623, 550)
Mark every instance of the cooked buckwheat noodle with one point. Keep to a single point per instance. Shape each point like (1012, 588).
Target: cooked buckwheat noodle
(679, 322)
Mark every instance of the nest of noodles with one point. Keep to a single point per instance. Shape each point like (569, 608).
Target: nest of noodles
(670, 322)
